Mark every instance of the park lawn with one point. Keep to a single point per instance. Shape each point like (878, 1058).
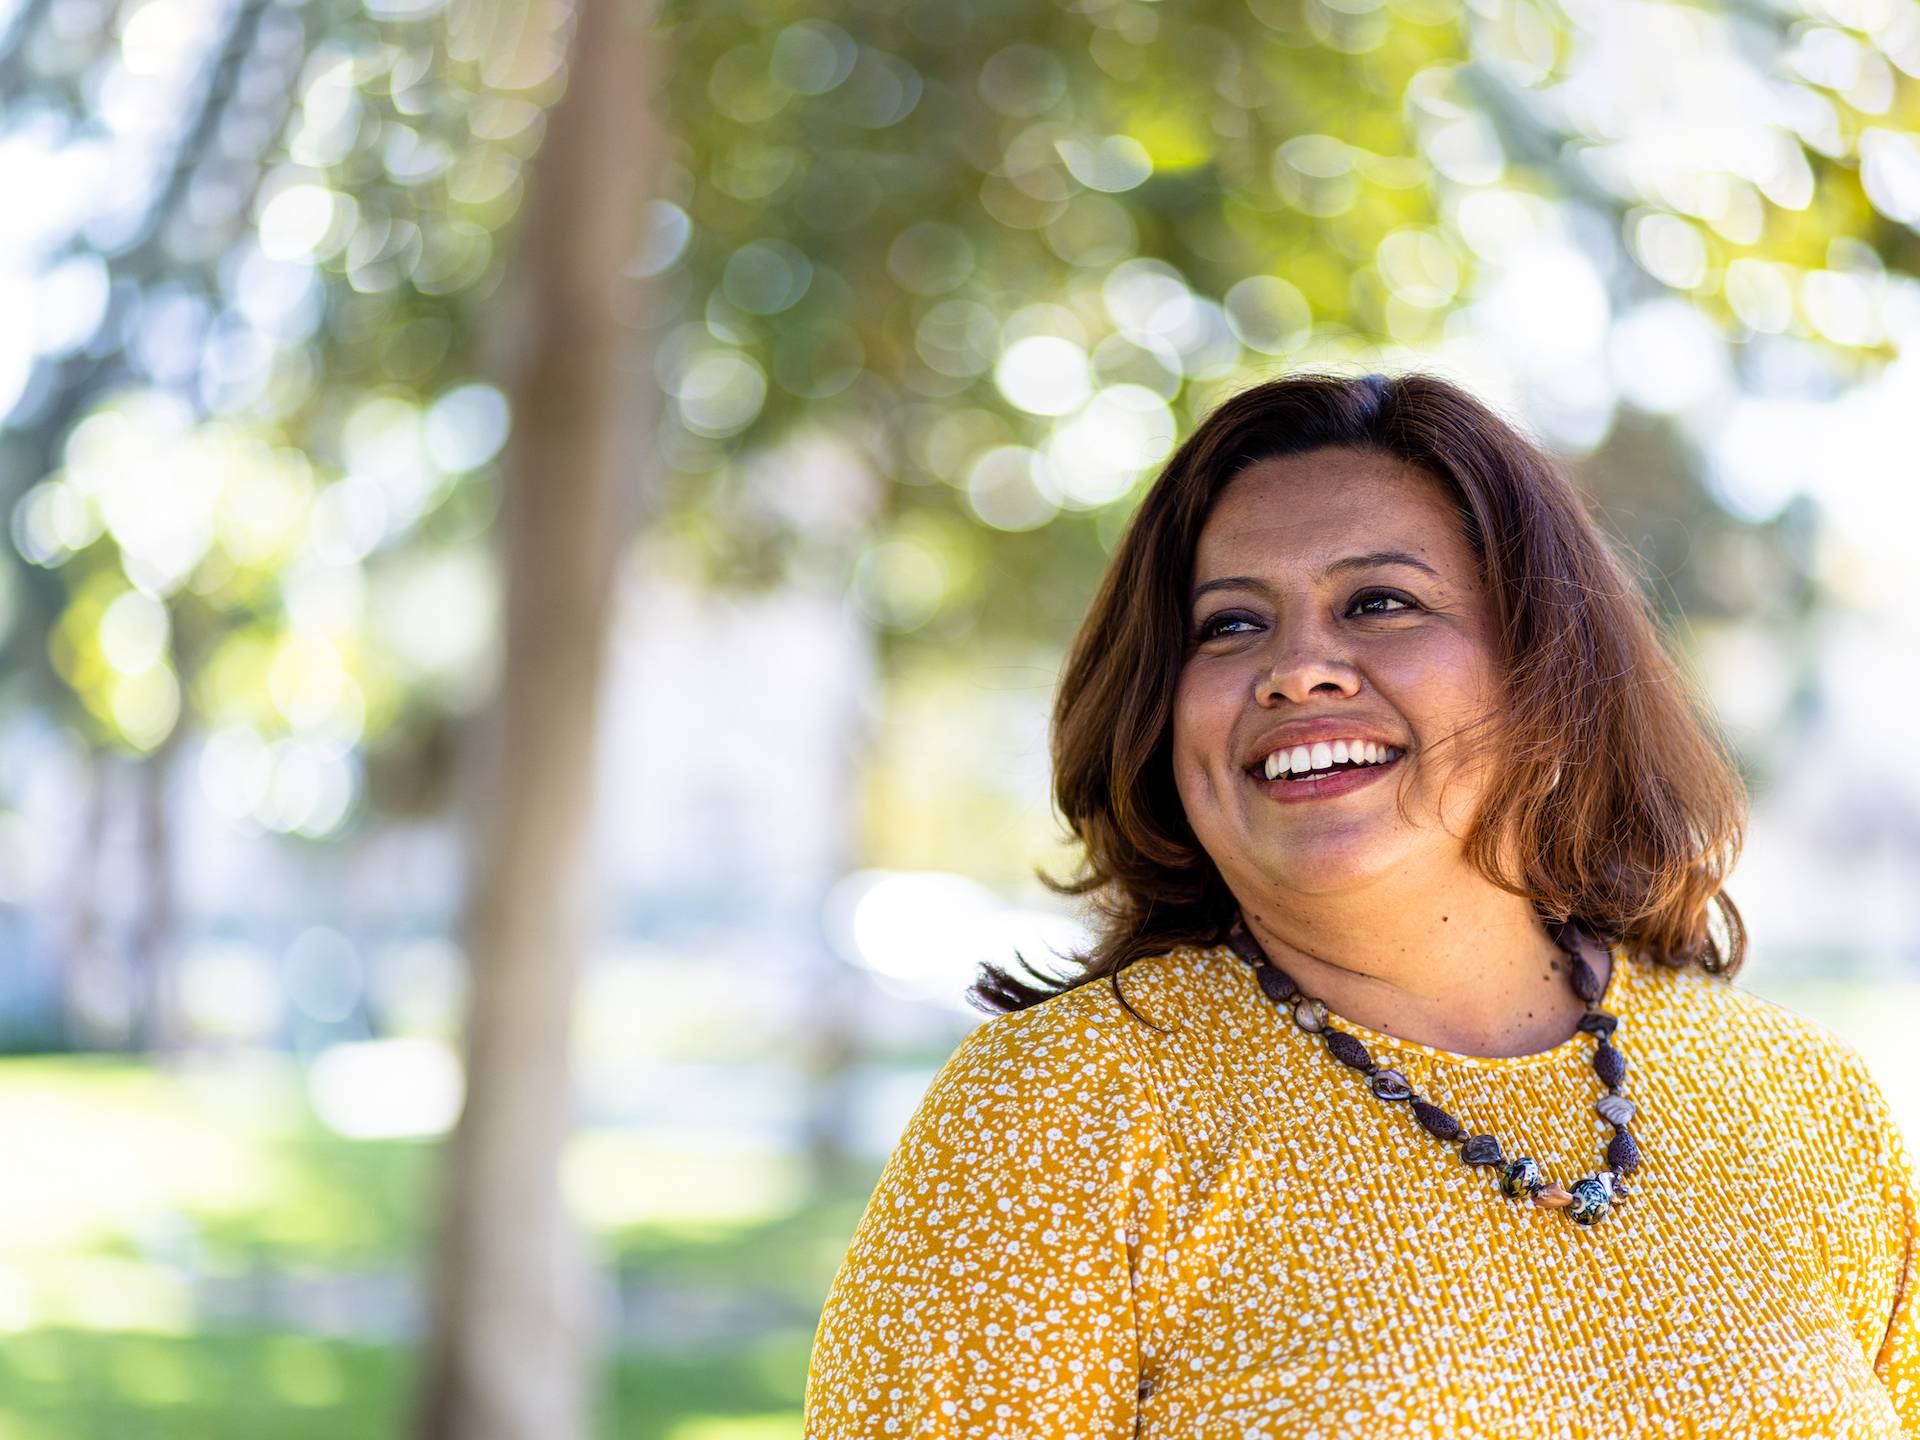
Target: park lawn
(131, 1188)
(58, 1384)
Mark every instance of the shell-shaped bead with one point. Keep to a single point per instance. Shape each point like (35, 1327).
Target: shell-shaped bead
(1310, 1014)
(1554, 1196)
(1614, 1109)
(1599, 1022)
(1390, 1085)
(1481, 1150)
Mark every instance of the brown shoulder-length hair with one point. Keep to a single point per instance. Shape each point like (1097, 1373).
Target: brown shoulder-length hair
(1621, 801)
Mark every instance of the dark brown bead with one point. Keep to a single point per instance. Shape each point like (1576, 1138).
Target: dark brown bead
(1610, 1065)
(1586, 983)
(1244, 945)
(1348, 1050)
(1623, 1156)
(1435, 1121)
(1598, 1022)
(1390, 1085)
(1481, 1150)
(1275, 984)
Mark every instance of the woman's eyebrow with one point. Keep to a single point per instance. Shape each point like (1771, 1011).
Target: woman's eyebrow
(1369, 561)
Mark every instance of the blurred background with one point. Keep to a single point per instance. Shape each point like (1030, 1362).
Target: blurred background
(540, 539)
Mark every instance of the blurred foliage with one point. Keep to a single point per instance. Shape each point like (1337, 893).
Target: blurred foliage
(932, 288)
(1008, 253)
(1005, 254)
(253, 458)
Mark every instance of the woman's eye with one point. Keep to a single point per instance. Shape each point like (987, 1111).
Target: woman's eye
(1211, 628)
(1367, 597)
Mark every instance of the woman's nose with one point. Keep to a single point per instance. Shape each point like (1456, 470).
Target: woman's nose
(1304, 658)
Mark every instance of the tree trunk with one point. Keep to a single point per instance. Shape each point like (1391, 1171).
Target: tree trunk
(510, 1349)
(151, 947)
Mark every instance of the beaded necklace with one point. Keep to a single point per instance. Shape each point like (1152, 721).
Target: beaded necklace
(1590, 1198)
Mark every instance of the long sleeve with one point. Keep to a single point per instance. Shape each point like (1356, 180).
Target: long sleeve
(1898, 1361)
(989, 1289)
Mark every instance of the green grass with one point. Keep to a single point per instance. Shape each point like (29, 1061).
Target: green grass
(126, 1179)
(228, 1159)
(84, 1385)
(60, 1384)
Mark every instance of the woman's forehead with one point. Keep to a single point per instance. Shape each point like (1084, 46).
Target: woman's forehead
(1318, 512)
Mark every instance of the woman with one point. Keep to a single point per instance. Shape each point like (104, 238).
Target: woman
(1428, 1105)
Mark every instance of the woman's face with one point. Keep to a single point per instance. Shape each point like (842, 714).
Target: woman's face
(1297, 617)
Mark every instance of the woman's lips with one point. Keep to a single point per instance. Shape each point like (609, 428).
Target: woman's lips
(1288, 791)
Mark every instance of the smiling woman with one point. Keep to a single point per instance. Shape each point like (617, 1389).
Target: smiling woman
(1404, 828)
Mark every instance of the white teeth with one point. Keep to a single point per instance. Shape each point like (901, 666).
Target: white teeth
(1322, 754)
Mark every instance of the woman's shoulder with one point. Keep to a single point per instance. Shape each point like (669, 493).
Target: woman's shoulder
(1725, 1014)
(1081, 1050)
(1101, 1019)
(1076, 1035)
(1729, 1035)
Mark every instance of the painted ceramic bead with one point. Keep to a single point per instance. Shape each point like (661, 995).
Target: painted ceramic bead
(1348, 1050)
(1521, 1177)
(1555, 1196)
(1481, 1150)
(1614, 1109)
(1276, 985)
(1591, 1199)
(1310, 1014)
(1390, 1085)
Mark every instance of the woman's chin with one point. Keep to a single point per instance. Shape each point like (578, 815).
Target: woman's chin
(1328, 865)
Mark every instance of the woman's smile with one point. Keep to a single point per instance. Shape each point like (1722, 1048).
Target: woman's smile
(1347, 777)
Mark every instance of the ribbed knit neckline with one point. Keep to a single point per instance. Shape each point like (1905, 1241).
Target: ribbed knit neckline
(1577, 1047)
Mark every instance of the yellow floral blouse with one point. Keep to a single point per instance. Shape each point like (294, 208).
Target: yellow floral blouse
(1094, 1229)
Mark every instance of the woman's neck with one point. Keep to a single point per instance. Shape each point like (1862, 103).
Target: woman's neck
(1468, 973)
